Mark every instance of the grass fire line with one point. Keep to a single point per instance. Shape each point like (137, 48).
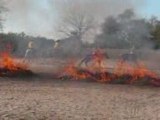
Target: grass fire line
(123, 73)
(9, 68)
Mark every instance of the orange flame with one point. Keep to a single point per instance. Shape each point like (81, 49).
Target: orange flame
(135, 72)
(9, 63)
(73, 72)
(141, 71)
(98, 58)
(99, 73)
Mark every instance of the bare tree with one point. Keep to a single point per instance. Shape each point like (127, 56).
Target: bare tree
(76, 24)
(76, 20)
(84, 17)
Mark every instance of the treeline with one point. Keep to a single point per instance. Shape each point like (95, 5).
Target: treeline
(126, 30)
(123, 31)
(17, 44)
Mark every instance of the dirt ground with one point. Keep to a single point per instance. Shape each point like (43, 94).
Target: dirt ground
(33, 99)
(49, 99)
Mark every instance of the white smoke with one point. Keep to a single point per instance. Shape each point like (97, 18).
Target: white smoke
(40, 17)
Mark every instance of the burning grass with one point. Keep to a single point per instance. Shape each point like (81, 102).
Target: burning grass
(123, 73)
(9, 68)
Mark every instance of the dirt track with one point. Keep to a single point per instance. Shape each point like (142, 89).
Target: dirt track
(33, 99)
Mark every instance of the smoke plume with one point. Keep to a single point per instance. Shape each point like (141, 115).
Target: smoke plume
(40, 17)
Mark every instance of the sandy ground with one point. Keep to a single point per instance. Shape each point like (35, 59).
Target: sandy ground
(33, 99)
(48, 99)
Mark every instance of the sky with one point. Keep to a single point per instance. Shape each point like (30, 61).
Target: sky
(30, 16)
(150, 8)
(40, 17)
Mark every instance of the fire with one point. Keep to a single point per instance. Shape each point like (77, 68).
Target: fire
(72, 71)
(141, 71)
(104, 77)
(120, 68)
(12, 68)
(10, 64)
(123, 72)
(98, 58)
(91, 71)
(137, 72)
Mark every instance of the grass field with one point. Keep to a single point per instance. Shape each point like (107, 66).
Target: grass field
(49, 99)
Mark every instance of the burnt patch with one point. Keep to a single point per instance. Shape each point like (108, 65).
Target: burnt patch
(18, 72)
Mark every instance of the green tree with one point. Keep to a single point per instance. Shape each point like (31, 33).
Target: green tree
(110, 26)
(156, 35)
(124, 31)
